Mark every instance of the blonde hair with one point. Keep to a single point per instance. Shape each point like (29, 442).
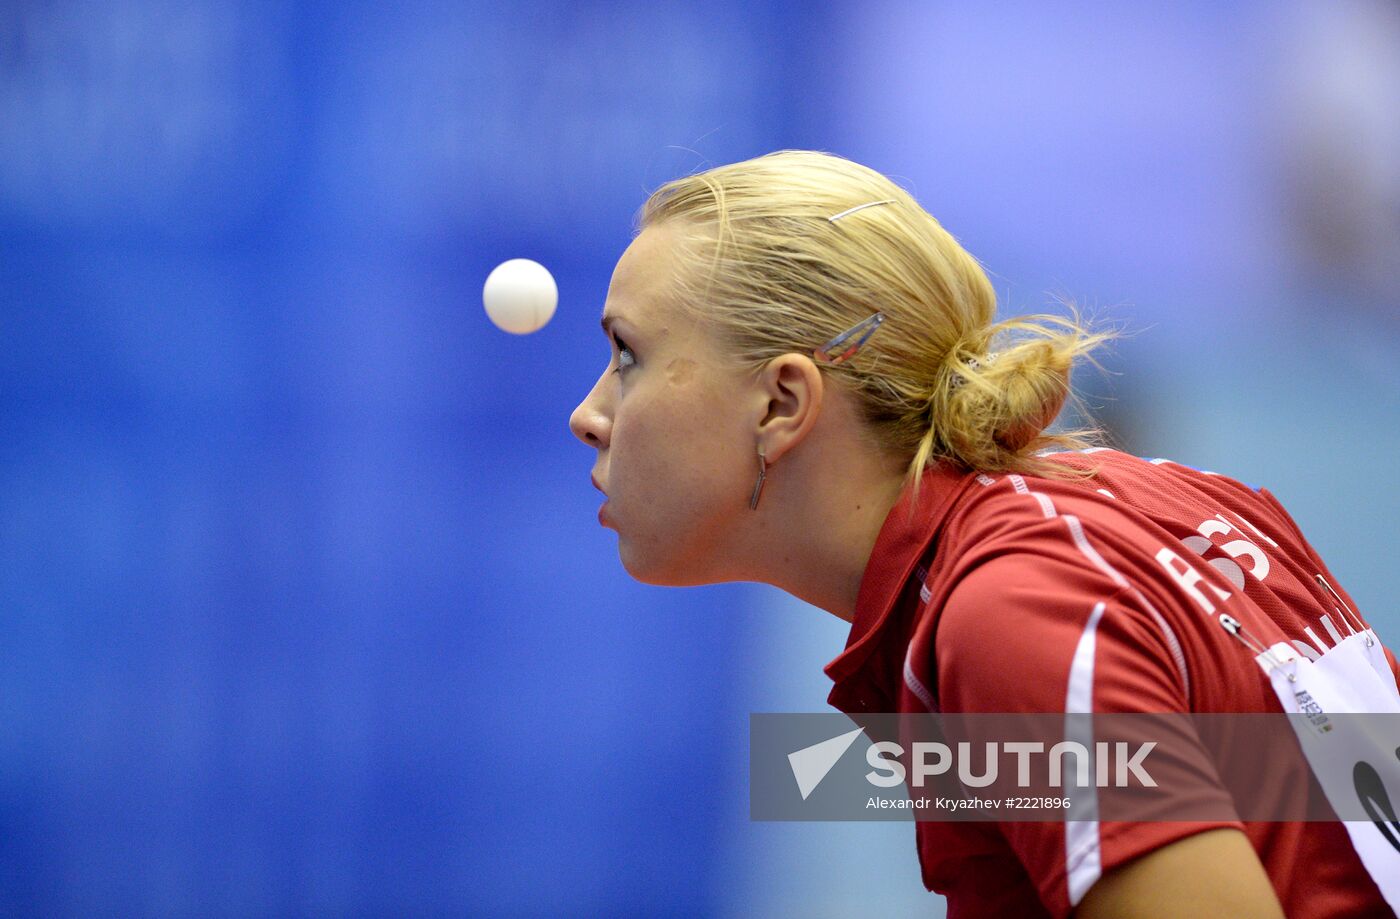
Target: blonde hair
(771, 273)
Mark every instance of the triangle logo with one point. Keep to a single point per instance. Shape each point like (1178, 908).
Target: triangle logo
(811, 764)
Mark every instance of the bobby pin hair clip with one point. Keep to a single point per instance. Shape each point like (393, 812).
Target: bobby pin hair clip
(843, 346)
(859, 207)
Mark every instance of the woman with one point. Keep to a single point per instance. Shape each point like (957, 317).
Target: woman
(808, 388)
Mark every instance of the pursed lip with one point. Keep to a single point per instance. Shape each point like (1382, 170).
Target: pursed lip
(603, 510)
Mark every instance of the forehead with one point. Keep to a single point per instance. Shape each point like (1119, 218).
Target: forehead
(642, 289)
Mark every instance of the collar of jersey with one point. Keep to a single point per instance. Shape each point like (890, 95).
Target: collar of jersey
(908, 530)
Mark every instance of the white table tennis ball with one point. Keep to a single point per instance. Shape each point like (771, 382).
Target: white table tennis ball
(520, 296)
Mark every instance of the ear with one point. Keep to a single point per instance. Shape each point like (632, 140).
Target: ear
(791, 389)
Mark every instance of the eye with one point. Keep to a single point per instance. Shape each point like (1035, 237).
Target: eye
(625, 357)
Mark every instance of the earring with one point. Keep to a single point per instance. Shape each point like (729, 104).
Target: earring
(758, 486)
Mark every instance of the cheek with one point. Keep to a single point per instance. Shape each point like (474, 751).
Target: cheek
(676, 454)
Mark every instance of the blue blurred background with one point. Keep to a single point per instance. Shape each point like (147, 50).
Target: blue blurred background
(304, 609)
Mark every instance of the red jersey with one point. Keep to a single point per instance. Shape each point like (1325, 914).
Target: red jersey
(1009, 593)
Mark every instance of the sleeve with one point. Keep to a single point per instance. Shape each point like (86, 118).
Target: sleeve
(1029, 634)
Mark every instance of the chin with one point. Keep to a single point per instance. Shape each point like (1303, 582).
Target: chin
(663, 570)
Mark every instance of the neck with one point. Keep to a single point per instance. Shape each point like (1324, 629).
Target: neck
(838, 517)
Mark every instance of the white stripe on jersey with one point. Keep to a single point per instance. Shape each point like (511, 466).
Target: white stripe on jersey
(916, 686)
(1046, 506)
(1083, 859)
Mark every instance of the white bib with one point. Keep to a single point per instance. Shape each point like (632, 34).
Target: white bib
(1353, 762)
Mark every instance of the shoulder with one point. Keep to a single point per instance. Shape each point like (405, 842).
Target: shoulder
(1071, 531)
(1027, 631)
(1105, 486)
(1136, 523)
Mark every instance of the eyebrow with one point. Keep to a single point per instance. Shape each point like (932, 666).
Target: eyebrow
(607, 322)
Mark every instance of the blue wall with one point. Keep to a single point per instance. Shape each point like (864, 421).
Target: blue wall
(305, 609)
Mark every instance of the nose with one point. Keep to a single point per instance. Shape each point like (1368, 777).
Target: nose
(590, 421)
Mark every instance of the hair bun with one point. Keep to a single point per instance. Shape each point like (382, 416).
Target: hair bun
(1019, 434)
